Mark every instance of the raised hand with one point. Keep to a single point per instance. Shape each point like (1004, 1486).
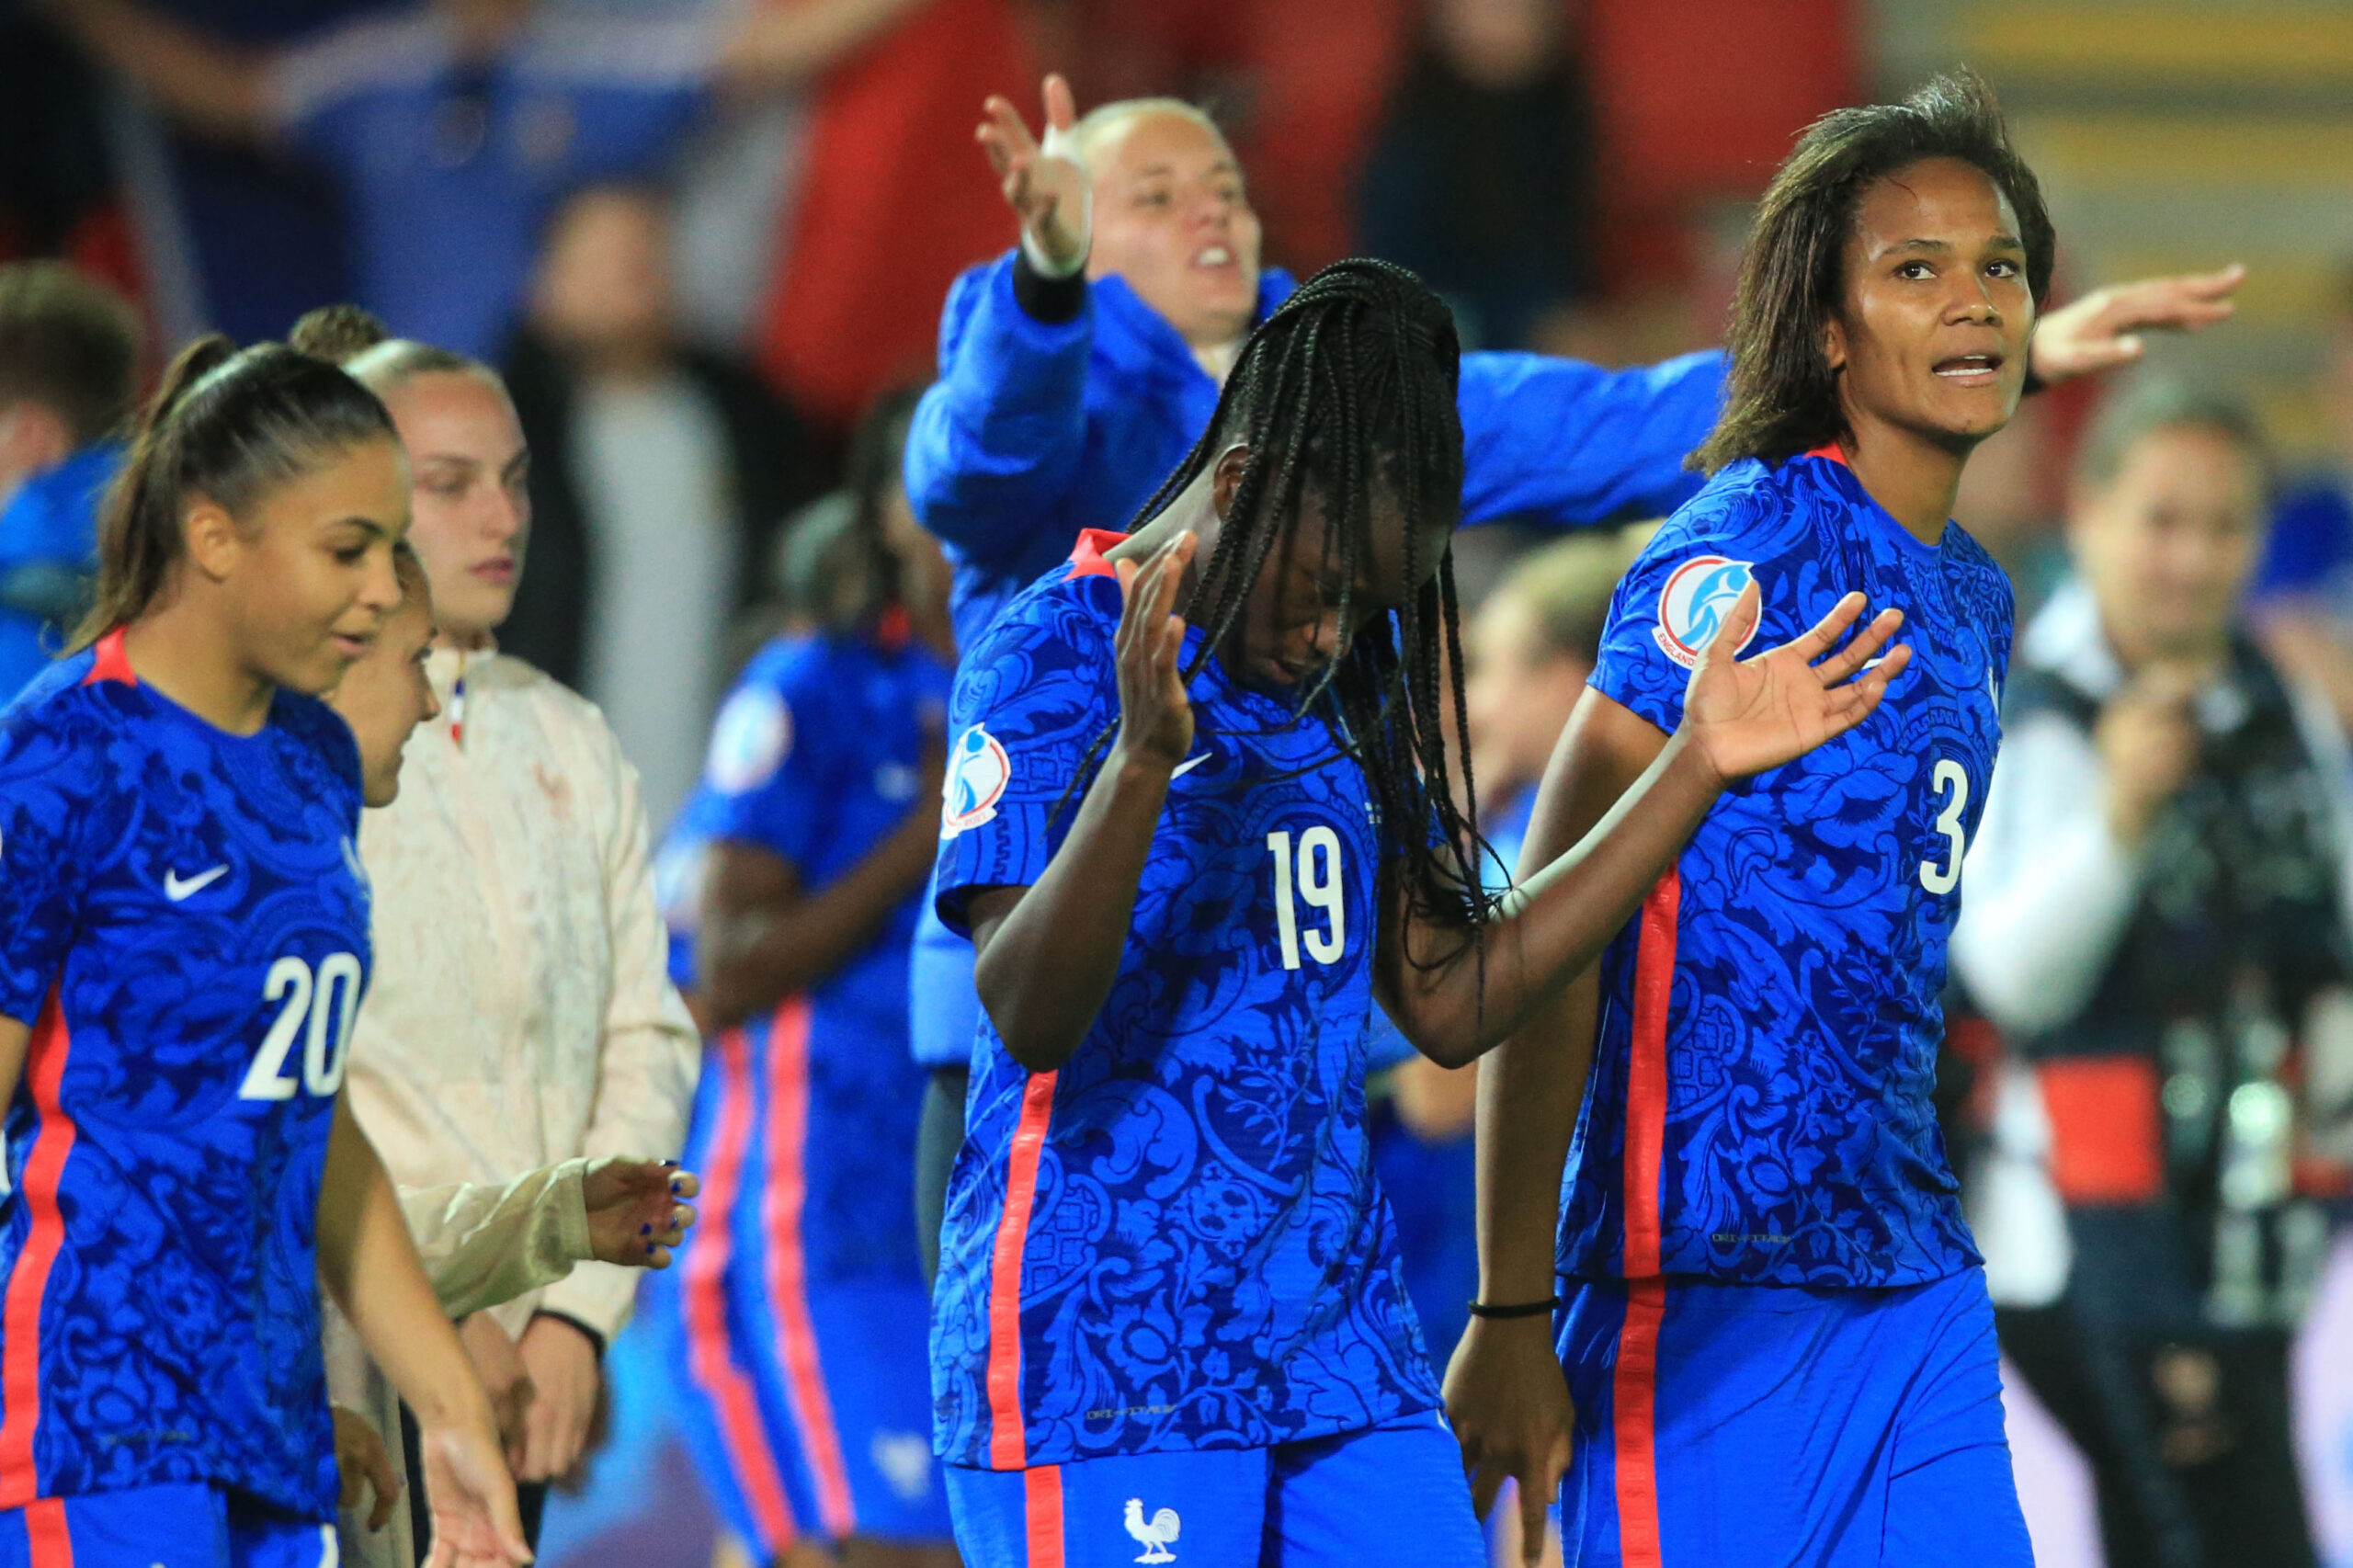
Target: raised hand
(2097, 332)
(1156, 714)
(637, 1210)
(1042, 184)
(1745, 716)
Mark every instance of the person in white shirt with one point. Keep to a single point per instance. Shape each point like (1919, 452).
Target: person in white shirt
(2157, 924)
(522, 1014)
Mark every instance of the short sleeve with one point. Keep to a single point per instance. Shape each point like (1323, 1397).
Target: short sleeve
(43, 802)
(316, 90)
(1670, 603)
(636, 89)
(764, 779)
(1034, 706)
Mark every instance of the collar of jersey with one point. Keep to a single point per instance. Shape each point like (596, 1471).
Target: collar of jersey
(1086, 556)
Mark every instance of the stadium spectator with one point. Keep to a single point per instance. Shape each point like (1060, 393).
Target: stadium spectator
(1482, 179)
(69, 367)
(452, 130)
(2304, 590)
(2157, 921)
(663, 472)
(520, 1015)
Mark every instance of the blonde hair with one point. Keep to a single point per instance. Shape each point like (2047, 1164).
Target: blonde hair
(1105, 124)
(1567, 587)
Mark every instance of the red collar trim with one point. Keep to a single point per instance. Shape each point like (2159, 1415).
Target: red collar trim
(1086, 559)
(1830, 451)
(109, 662)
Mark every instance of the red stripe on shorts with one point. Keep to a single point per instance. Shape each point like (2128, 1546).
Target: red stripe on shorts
(702, 1288)
(1041, 1509)
(787, 1197)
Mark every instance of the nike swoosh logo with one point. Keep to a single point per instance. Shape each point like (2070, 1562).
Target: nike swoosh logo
(179, 890)
(1188, 766)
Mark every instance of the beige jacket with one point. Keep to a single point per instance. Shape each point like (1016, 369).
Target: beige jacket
(521, 1013)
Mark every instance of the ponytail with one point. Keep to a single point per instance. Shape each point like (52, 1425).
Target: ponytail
(228, 426)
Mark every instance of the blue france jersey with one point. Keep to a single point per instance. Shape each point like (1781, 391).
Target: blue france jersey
(816, 757)
(1758, 1109)
(184, 925)
(1175, 1240)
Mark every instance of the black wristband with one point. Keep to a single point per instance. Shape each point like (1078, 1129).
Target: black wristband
(1049, 301)
(596, 1339)
(1517, 1310)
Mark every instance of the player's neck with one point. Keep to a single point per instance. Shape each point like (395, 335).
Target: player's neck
(187, 656)
(1912, 477)
(1193, 508)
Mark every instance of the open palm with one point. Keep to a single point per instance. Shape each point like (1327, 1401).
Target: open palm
(472, 1501)
(1748, 715)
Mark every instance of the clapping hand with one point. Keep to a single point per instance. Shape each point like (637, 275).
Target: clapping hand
(1042, 184)
(1156, 714)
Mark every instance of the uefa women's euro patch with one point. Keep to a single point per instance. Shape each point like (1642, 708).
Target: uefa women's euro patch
(978, 771)
(749, 741)
(1697, 596)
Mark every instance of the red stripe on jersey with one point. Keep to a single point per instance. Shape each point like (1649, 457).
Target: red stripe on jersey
(1633, 1424)
(1646, 1074)
(45, 1532)
(1041, 1515)
(20, 1316)
(703, 1307)
(109, 662)
(787, 1282)
(1007, 1449)
(1086, 558)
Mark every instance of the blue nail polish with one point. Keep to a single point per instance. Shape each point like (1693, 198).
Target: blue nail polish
(645, 1230)
(674, 1187)
(649, 1249)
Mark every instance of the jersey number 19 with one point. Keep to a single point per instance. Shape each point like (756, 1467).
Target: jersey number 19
(1317, 885)
(316, 1006)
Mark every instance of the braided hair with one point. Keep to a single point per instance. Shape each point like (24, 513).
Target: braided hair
(1348, 390)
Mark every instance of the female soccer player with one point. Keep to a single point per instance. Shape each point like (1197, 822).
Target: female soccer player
(1169, 1303)
(1078, 368)
(1775, 1332)
(182, 945)
(521, 1015)
(802, 1307)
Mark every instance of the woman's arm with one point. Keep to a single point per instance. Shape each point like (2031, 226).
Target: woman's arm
(1504, 1390)
(1739, 719)
(213, 86)
(765, 938)
(482, 1244)
(369, 1265)
(1049, 952)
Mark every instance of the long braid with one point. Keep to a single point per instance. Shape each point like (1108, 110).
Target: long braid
(1349, 388)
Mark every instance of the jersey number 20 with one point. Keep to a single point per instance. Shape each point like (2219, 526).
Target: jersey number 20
(1318, 886)
(1948, 779)
(317, 1007)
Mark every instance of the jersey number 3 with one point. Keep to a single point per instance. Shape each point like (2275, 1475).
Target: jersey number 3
(1317, 885)
(1948, 779)
(319, 1009)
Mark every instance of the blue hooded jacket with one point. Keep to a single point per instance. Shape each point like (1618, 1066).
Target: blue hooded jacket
(1036, 431)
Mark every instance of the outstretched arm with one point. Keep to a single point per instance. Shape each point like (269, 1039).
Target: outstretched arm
(2102, 330)
(213, 86)
(781, 46)
(1739, 719)
(997, 441)
(1049, 952)
(369, 1265)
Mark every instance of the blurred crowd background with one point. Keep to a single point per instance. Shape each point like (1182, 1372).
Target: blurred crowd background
(702, 247)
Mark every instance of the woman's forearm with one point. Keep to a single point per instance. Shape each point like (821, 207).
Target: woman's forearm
(370, 1266)
(1557, 921)
(1047, 964)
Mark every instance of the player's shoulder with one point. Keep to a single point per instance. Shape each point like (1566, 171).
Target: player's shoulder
(1071, 615)
(58, 727)
(773, 702)
(1748, 510)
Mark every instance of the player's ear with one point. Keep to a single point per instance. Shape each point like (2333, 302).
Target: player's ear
(214, 541)
(1226, 477)
(1834, 342)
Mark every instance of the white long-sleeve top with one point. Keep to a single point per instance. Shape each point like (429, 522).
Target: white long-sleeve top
(522, 1014)
(2048, 893)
